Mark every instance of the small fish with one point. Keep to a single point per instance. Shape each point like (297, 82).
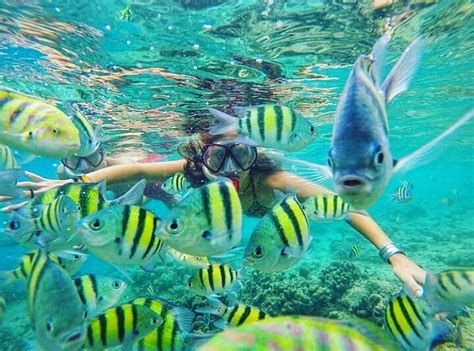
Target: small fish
(3, 307)
(447, 201)
(8, 180)
(176, 184)
(410, 322)
(89, 197)
(404, 192)
(121, 235)
(121, 326)
(173, 333)
(99, 292)
(234, 316)
(188, 260)
(281, 238)
(450, 290)
(7, 158)
(206, 222)
(326, 208)
(360, 162)
(355, 251)
(71, 265)
(125, 14)
(214, 280)
(87, 135)
(35, 126)
(56, 312)
(302, 333)
(270, 126)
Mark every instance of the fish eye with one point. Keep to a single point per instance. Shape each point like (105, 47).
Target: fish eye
(84, 315)
(49, 326)
(153, 321)
(379, 157)
(312, 130)
(329, 162)
(257, 252)
(116, 284)
(14, 224)
(174, 226)
(55, 131)
(190, 284)
(96, 224)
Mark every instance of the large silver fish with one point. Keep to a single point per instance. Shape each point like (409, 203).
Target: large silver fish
(360, 160)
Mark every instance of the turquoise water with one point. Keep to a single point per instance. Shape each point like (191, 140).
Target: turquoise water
(151, 77)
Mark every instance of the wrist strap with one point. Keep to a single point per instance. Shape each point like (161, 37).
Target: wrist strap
(388, 250)
(81, 179)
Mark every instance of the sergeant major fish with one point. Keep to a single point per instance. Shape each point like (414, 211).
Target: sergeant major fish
(56, 312)
(99, 292)
(214, 280)
(122, 235)
(326, 208)
(270, 126)
(121, 326)
(35, 126)
(87, 135)
(280, 239)
(360, 161)
(404, 192)
(206, 222)
(175, 184)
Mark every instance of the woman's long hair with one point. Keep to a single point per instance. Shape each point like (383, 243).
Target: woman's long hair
(191, 150)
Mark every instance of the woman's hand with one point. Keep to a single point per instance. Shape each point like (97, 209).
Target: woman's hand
(36, 186)
(409, 273)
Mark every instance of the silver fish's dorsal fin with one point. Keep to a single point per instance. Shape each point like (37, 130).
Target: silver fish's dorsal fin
(402, 73)
(377, 55)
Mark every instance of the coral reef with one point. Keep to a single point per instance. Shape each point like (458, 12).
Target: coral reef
(305, 293)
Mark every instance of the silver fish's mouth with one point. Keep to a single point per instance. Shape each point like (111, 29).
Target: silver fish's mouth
(354, 184)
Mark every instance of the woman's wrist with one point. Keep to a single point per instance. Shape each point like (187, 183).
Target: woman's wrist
(388, 251)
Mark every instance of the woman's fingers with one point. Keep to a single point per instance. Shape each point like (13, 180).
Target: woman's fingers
(14, 207)
(34, 177)
(29, 185)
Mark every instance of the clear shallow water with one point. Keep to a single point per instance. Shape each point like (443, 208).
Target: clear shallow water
(151, 78)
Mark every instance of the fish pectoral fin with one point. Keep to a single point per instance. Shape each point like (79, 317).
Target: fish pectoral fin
(134, 195)
(428, 152)
(402, 73)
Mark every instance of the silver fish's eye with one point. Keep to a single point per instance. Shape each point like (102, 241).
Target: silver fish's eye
(116, 284)
(174, 226)
(312, 130)
(14, 224)
(96, 224)
(329, 162)
(379, 157)
(257, 252)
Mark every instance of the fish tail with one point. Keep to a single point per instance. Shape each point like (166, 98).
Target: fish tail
(225, 123)
(214, 307)
(377, 54)
(402, 73)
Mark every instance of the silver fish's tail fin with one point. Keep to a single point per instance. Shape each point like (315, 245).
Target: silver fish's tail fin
(427, 152)
(402, 73)
(133, 196)
(225, 123)
(378, 55)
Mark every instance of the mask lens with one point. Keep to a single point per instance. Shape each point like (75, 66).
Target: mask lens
(214, 157)
(244, 155)
(96, 158)
(71, 162)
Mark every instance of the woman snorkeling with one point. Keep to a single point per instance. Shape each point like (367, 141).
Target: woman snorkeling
(254, 174)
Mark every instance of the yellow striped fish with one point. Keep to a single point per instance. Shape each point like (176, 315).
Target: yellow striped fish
(35, 126)
(450, 290)
(173, 334)
(404, 192)
(326, 208)
(56, 312)
(188, 260)
(206, 222)
(71, 265)
(7, 158)
(3, 307)
(87, 135)
(176, 184)
(214, 280)
(234, 316)
(410, 322)
(121, 326)
(99, 292)
(271, 126)
(355, 251)
(281, 238)
(122, 235)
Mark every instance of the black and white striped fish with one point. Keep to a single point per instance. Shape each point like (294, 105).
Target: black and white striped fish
(404, 192)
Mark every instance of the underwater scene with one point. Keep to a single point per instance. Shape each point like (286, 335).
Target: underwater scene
(236, 175)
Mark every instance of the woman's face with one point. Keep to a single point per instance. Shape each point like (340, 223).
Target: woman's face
(228, 159)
